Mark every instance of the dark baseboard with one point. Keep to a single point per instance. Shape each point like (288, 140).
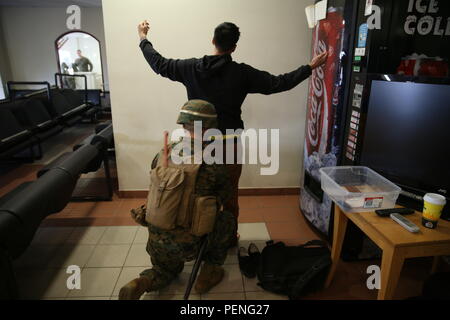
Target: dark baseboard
(133, 194)
(242, 192)
(269, 191)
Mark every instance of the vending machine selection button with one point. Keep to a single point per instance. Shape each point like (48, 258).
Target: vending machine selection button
(352, 138)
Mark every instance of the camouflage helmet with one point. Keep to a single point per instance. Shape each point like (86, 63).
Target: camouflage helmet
(198, 110)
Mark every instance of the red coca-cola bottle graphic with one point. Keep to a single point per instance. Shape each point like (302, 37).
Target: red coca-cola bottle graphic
(327, 36)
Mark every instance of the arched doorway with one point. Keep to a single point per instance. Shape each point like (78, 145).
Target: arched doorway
(79, 53)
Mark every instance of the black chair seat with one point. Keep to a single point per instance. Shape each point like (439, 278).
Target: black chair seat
(45, 134)
(15, 139)
(72, 121)
(13, 136)
(63, 109)
(90, 112)
(76, 162)
(54, 164)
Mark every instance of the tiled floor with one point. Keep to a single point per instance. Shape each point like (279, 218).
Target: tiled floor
(103, 240)
(111, 256)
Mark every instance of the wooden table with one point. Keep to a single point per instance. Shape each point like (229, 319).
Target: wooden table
(396, 242)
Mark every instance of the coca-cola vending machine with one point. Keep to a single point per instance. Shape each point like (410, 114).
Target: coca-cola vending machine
(326, 103)
(394, 40)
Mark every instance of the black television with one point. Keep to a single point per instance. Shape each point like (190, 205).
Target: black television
(407, 135)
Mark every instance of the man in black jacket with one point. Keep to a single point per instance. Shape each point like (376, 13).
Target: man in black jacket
(224, 83)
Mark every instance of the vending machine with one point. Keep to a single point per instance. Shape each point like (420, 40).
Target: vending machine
(326, 103)
(376, 48)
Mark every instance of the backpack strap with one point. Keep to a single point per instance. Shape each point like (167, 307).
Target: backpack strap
(304, 279)
(311, 243)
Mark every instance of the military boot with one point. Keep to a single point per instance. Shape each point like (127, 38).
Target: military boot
(134, 289)
(209, 276)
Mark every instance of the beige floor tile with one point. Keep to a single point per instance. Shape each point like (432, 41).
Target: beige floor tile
(36, 256)
(118, 235)
(264, 295)
(231, 258)
(52, 235)
(57, 283)
(253, 231)
(141, 235)
(126, 275)
(42, 283)
(223, 296)
(86, 235)
(96, 282)
(232, 281)
(250, 285)
(109, 255)
(67, 255)
(138, 256)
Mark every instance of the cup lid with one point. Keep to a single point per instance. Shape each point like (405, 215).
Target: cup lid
(435, 198)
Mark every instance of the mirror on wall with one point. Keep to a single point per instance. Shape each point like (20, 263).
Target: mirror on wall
(78, 53)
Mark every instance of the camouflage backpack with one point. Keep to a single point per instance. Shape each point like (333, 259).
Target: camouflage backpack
(172, 202)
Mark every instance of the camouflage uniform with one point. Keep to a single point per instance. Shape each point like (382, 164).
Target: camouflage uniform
(170, 249)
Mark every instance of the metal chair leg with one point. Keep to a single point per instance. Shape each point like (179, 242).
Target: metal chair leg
(108, 185)
(197, 264)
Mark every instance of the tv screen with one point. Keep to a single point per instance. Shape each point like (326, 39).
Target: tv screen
(407, 134)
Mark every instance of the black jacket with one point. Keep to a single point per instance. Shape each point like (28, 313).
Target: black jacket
(221, 81)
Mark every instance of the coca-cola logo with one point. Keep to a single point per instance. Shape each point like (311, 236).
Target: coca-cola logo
(317, 97)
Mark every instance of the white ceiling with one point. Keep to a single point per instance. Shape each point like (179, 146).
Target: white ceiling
(49, 3)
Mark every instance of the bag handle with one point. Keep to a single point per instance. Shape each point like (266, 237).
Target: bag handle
(311, 243)
(303, 280)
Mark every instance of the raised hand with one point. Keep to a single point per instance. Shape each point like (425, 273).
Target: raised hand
(143, 28)
(319, 60)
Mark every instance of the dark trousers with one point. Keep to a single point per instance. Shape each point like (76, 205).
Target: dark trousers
(169, 250)
(234, 171)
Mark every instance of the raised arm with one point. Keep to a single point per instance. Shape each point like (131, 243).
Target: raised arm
(263, 82)
(174, 69)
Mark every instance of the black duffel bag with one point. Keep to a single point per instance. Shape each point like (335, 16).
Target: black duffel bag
(294, 270)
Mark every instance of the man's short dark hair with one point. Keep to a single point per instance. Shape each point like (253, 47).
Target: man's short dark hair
(226, 35)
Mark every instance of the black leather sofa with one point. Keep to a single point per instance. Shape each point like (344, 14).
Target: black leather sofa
(23, 209)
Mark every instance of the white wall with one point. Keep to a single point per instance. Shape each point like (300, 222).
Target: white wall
(274, 37)
(30, 34)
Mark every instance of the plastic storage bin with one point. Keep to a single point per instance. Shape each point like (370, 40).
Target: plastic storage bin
(358, 189)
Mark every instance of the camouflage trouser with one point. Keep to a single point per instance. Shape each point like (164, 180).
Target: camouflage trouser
(170, 249)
